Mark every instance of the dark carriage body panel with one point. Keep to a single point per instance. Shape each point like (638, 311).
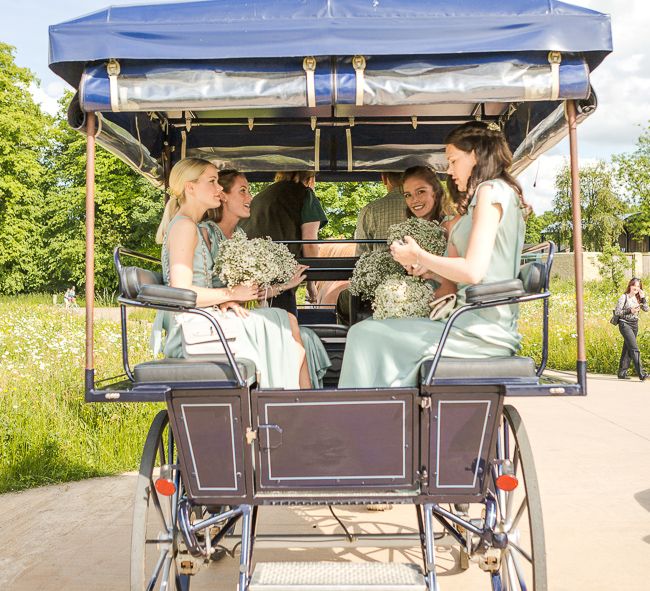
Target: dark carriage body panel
(457, 430)
(209, 426)
(315, 440)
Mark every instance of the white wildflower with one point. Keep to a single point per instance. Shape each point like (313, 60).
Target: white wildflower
(429, 235)
(371, 269)
(402, 297)
(259, 261)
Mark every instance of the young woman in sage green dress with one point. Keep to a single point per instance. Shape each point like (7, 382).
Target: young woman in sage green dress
(220, 224)
(484, 245)
(272, 343)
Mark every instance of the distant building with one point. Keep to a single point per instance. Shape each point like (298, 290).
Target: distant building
(625, 240)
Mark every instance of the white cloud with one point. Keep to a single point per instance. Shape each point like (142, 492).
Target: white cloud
(48, 97)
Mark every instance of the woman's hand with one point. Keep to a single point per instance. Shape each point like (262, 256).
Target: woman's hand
(243, 293)
(298, 277)
(642, 294)
(406, 253)
(235, 307)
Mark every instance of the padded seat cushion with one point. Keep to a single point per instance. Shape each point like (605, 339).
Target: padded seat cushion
(491, 367)
(191, 370)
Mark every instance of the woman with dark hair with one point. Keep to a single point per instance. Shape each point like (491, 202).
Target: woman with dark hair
(627, 310)
(484, 245)
(423, 194)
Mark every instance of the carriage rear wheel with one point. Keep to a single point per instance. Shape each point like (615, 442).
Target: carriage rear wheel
(522, 564)
(154, 549)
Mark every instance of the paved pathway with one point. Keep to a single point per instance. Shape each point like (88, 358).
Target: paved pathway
(593, 462)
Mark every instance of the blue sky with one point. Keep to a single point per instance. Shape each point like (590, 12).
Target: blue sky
(622, 82)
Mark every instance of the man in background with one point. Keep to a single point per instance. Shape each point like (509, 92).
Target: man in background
(288, 210)
(375, 218)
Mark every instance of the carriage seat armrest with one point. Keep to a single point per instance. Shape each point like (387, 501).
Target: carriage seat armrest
(164, 295)
(498, 290)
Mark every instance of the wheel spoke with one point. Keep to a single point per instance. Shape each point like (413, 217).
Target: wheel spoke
(521, 551)
(513, 583)
(161, 453)
(164, 584)
(156, 502)
(514, 522)
(156, 570)
(520, 574)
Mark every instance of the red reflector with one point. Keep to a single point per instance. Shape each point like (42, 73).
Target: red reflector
(165, 487)
(505, 482)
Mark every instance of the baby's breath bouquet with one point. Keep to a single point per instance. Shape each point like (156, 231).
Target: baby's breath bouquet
(429, 235)
(259, 261)
(371, 269)
(402, 297)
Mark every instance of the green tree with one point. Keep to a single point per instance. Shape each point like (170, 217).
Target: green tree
(127, 210)
(342, 202)
(535, 224)
(24, 134)
(612, 265)
(632, 171)
(601, 207)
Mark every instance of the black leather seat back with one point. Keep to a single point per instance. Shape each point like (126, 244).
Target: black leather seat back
(132, 279)
(533, 277)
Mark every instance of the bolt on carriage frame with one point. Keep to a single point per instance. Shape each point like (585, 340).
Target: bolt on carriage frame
(349, 89)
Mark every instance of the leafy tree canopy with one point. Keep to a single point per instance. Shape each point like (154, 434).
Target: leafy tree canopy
(602, 208)
(23, 138)
(632, 171)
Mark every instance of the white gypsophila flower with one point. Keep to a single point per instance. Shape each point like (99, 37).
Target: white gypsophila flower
(402, 297)
(429, 235)
(371, 269)
(259, 261)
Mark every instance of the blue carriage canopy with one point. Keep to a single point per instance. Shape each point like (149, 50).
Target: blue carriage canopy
(339, 86)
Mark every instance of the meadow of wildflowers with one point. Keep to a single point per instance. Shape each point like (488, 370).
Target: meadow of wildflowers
(48, 434)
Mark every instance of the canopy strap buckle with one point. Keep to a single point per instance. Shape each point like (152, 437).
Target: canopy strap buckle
(113, 71)
(309, 65)
(359, 65)
(555, 59)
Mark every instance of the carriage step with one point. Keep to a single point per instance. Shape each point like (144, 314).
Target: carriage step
(336, 576)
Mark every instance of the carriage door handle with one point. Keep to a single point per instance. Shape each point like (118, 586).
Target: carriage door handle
(268, 436)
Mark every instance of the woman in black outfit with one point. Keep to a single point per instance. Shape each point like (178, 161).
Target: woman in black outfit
(627, 309)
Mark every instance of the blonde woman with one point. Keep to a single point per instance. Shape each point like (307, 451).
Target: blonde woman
(271, 340)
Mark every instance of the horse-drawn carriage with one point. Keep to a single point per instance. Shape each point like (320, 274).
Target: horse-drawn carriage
(347, 89)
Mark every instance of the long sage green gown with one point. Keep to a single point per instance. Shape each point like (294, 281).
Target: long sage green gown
(317, 359)
(388, 353)
(264, 338)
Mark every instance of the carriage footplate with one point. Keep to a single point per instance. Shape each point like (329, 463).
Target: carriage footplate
(333, 576)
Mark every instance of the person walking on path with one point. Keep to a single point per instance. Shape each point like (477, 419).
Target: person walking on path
(627, 310)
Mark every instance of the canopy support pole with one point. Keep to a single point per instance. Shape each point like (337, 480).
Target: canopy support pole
(581, 363)
(90, 250)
